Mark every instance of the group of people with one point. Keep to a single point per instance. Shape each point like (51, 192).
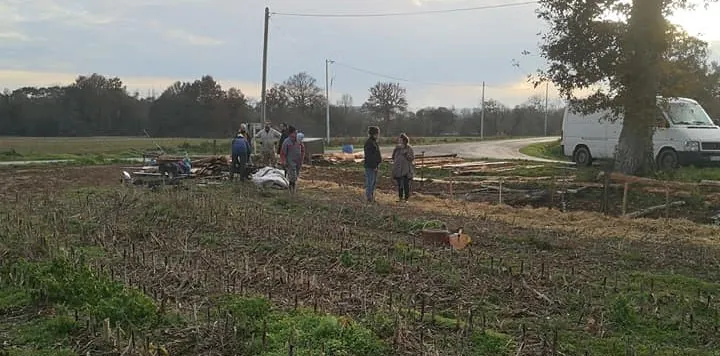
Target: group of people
(286, 143)
(402, 169)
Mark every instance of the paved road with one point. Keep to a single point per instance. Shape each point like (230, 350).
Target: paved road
(491, 149)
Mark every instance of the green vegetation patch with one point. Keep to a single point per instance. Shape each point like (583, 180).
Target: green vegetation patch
(548, 150)
(72, 284)
(305, 332)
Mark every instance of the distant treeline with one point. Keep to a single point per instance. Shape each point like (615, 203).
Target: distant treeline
(99, 106)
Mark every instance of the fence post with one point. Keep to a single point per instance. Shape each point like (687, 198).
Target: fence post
(624, 201)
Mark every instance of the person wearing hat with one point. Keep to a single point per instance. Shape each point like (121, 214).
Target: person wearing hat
(268, 138)
(240, 149)
(248, 138)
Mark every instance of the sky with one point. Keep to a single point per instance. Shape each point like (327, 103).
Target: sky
(443, 58)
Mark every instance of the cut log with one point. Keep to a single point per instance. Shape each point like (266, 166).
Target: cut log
(710, 183)
(459, 240)
(653, 209)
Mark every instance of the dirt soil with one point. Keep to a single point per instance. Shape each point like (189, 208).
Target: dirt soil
(43, 179)
(700, 206)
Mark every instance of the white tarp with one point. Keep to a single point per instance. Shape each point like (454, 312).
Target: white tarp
(270, 177)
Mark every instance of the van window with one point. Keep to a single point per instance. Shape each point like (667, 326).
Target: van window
(685, 113)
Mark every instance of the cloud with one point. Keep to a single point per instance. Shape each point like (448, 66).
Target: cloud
(14, 36)
(189, 38)
(13, 79)
(152, 43)
(57, 11)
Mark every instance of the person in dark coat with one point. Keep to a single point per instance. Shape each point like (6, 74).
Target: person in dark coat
(240, 149)
(373, 158)
(283, 136)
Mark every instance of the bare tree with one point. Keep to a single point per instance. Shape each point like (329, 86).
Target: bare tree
(386, 100)
(303, 92)
(346, 102)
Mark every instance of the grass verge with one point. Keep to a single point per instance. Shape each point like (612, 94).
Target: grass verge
(546, 150)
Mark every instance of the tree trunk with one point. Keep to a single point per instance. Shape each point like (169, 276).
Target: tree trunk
(644, 46)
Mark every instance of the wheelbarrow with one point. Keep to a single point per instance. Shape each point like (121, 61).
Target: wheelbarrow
(444, 236)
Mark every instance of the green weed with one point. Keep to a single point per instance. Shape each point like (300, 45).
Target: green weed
(488, 342)
(46, 331)
(306, 332)
(346, 259)
(382, 266)
(73, 284)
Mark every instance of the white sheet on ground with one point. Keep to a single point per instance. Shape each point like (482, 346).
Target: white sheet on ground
(270, 177)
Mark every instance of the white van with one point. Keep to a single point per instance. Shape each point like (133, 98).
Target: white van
(685, 135)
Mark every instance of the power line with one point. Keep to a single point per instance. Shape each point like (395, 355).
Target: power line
(389, 14)
(404, 79)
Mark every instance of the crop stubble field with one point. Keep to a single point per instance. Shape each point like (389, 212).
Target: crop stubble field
(227, 269)
(108, 147)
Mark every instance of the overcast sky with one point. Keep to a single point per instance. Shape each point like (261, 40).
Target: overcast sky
(151, 43)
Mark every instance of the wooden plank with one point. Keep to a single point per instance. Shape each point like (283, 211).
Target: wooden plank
(480, 164)
(652, 209)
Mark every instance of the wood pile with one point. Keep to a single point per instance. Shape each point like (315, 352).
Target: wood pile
(199, 166)
(437, 161)
(335, 158)
(210, 166)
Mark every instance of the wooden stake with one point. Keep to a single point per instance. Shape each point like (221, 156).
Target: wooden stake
(500, 198)
(624, 201)
(667, 203)
(606, 186)
(450, 176)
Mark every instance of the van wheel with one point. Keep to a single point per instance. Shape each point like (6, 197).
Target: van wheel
(667, 160)
(582, 156)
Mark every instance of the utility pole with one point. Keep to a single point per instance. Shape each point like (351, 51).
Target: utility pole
(482, 113)
(327, 98)
(547, 86)
(263, 95)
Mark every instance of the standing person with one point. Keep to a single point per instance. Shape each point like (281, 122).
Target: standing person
(248, 138)
(268, 137)
(373, 158)
(403, 169)
(239, 153)
(283, 136)
(292, 153)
